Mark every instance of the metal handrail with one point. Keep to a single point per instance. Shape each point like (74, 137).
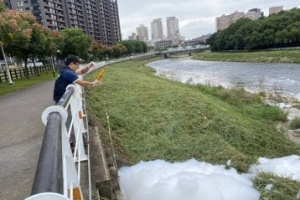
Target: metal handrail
(48, 176)
(58, 175)
(65, 99)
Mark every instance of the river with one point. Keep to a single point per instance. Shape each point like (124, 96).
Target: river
(278, 78)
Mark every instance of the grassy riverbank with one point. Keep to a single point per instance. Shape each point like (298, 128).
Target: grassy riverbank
(154, 118)
(289, 56)
(23, 83)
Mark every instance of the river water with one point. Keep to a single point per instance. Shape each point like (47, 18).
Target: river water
(278, 78)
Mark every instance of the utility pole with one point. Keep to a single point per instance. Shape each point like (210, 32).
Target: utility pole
(7, 69)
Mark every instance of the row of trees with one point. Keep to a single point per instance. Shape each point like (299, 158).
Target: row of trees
(275, 31)
(24, 38)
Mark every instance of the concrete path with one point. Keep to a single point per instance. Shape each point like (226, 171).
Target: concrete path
(21, 135)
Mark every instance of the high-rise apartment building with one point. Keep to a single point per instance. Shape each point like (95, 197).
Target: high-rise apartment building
(157, 30)
(97, 18)
(225, 21)
(275, 9)
(173, 33)
(172, 27)
(142, 32)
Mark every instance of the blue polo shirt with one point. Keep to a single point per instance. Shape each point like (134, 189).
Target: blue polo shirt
(67, 76)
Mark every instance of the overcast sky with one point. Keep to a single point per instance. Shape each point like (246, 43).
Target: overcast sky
(196, 17)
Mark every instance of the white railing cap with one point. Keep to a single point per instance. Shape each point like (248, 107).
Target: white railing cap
(47, 196)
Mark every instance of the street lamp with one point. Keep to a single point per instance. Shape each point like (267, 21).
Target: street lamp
(8, 73)
(52, 63)
(57, 57)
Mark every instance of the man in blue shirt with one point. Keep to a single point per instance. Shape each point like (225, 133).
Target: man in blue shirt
(69, 74)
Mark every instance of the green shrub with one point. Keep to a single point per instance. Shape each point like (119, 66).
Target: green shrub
(234, 96)
(295, 123)
(271, 113)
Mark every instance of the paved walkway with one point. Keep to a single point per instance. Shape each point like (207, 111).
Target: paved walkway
(21, 135)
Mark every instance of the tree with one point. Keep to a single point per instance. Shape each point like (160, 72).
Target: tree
(41, 44)
(280, 30)
(16, 29)
(76, 42)
(2, 6)
(134, 46)
(98, 51)
(118, 50)
(129, 46)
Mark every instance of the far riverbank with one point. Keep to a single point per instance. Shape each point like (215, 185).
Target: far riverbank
(287, 56)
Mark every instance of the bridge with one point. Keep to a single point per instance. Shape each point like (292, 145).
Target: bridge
(196, 48)
(188, 51)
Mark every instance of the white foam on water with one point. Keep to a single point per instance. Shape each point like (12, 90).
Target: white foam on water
(287, 167)
(190, 180)
(194, 180)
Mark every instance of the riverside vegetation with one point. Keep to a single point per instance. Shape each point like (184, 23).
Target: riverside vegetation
(154, 118)
(284, 56)
(275, 31)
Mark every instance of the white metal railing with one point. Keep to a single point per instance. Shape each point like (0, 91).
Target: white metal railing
(59, 167)
(63, 149)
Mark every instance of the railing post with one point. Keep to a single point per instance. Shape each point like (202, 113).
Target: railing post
(78, 124)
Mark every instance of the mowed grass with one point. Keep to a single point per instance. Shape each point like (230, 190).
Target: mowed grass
(287, 56)
(19, 84)
(153, 118)
(283, 188)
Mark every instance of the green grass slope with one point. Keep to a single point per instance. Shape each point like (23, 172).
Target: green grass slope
(153, 118)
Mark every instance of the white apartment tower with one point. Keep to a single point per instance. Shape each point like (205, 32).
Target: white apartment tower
(173, 30)
(142, 32)
(157, 29)
(172, 27)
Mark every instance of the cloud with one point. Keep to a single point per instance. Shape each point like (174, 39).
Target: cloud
(195, 17)
(197, 27)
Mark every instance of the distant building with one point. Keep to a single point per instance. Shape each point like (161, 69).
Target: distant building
(173, 30)
(98, 19)
(157, 30)
(225, 21)
(172, 27)
(275, 10)
(163, 45)
(133, 36)
(142, 32)
(254, 14)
